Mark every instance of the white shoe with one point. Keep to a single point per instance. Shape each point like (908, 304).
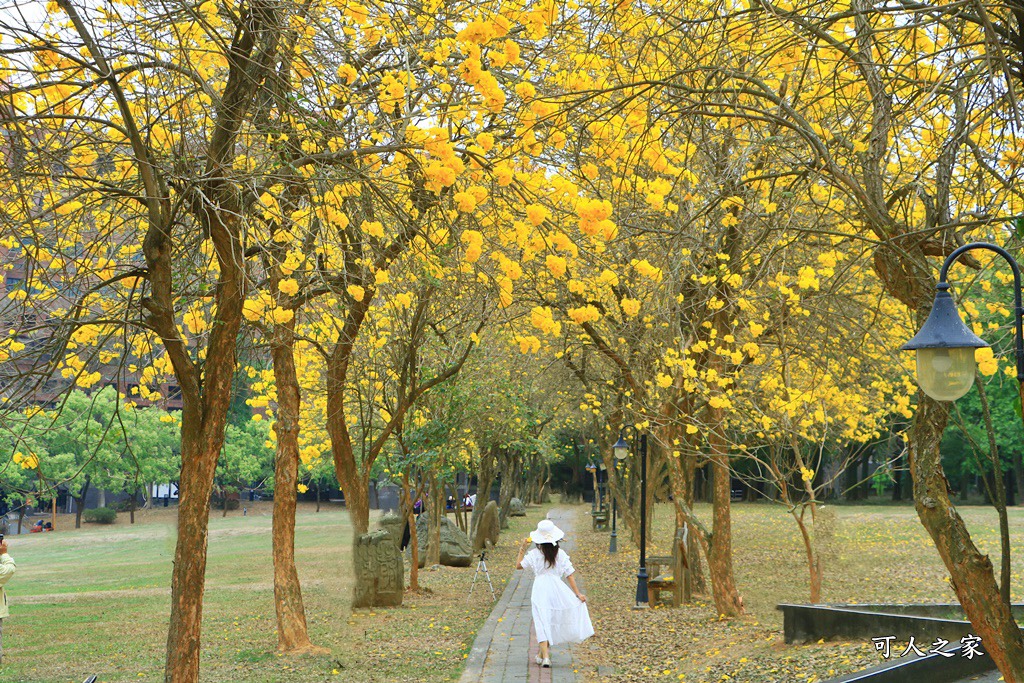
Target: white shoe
(546, 663)
(538, 659)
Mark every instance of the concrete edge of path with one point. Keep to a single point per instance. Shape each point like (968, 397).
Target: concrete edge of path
(477, 658)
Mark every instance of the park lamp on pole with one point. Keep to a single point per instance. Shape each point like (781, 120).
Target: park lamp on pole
(945, 345)
(621, 450)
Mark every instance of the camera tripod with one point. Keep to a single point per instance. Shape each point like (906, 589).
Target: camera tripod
(481, 567)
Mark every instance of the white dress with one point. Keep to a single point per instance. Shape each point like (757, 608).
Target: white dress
(558, 615)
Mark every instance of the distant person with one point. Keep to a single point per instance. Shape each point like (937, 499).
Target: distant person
(560, 615)
(48, 527)
(7, 568)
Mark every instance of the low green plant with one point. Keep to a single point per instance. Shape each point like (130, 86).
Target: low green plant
(105, 515)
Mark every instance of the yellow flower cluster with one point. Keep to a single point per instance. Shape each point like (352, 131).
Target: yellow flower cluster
(465, 202)
(555, 264)
(263, 307)
(988, 365)
(647, 270)
(474, 242)
(807, 278)
(541, 318)
(482, 80)
(594, 215)
(373, 228)
(27, 462)
(288, 286)
(584, 314)
(527, 344)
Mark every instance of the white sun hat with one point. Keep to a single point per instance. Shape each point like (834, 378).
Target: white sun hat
(546, 532)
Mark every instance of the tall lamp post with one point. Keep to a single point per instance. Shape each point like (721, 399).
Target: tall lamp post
(945, 362)
(592, 468)
(945, 345)
(621, 450)
(620, 455)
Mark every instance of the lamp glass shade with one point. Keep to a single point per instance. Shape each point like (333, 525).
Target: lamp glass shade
(945, 374)
(621, 449)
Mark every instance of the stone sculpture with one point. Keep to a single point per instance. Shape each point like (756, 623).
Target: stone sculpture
(516, 508)
(456, 550)
(380, 572)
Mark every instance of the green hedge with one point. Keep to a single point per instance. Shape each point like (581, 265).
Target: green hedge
(100, 515)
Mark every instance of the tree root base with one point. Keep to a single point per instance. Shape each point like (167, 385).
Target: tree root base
(305, 650)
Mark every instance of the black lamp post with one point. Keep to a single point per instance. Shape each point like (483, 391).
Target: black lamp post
(621, 449)
(945, 345)
(592, 469)
(620, 455)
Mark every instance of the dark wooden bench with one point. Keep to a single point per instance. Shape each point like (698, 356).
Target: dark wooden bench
(599, 519)
(670, 573)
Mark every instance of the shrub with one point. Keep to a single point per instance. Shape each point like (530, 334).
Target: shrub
(100, 515)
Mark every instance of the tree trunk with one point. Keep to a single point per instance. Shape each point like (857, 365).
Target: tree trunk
(200, 448)
(697, 579)
(408, 512)
(971, 573)
(435, 510)
(317, 497)
(484, 480)
(357, 500)
(292, 634)
(1018, 476)
(723, 584)
(224, 502)
(79, 504)
(509, 472)
(814, 564)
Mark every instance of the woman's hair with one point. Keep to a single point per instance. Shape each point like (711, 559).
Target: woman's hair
(550, 551)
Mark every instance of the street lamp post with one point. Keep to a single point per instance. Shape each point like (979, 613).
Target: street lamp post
(592, 468)
(621, 449)
(945, 345)
(945, 363)
(620, 455)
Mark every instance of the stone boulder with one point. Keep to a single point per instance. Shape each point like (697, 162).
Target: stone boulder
(380, 572)
(487, 528)
(393, 523)
(516, 508)
(456, 550)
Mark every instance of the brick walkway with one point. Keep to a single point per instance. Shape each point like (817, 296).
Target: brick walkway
(504, 648)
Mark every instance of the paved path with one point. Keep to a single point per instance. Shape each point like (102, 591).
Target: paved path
(504, 648)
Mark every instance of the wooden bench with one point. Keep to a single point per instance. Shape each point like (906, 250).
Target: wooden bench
(599, 519)
(670, 573)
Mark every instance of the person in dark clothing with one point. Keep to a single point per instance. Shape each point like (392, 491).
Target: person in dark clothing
(406, 536)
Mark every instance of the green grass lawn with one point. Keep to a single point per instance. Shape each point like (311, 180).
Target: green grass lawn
(97, 600)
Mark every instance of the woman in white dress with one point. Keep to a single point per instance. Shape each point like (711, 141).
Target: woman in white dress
(560, 614)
